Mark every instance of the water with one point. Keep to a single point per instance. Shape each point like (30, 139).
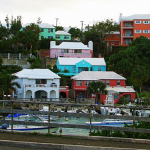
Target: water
(73, 120)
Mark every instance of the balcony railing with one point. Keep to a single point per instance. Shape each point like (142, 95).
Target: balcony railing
(128, 35)
(127, 42)
(128, 26)
(41, 85)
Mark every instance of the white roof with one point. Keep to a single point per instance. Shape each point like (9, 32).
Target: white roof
(71, 45)
(137, 16)
(73, 61)
(98, 75)
(36, 74)
(42, 25)
(62, 33)
(126, 89)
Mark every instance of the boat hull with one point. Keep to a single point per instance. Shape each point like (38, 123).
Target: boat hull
(110, 123)
(32, 128)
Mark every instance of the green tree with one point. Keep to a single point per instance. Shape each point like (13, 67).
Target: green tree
(75, 33)
(3, 32)
(97, 34)
(59, 28)
(8, 83)
(97, 87)
(39, 21)
(133, 62)
(16, 25)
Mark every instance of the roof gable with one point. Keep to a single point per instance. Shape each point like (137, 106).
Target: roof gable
(83, 63)
(98, 75)
(36, 74)
(74, 61)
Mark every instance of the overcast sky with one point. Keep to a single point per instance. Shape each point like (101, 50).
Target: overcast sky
(71, 12)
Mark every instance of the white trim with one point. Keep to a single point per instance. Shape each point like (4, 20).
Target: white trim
(146, 31)
(137, 31)
(146, 22)
(136, 22)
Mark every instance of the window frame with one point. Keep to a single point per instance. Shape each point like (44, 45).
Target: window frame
(136, 21)
(137, 30)
(78, 83)
(146, 22)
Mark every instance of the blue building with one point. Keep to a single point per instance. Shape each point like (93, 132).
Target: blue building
(73, 66)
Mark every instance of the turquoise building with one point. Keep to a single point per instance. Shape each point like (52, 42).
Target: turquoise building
(62, 35)
(73, 66)
(47, 31)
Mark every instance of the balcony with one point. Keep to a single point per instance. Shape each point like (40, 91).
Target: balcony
(128, 26)
(128, 35)
(29, 86)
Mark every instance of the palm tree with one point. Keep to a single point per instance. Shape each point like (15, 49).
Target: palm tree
(8, 83)
(97, 87)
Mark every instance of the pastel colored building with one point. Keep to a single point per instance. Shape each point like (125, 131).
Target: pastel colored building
(115, 84)
(71, 49)
(47, 30)
(113, 39)
(77, 65)
(38, 83)
(134, 26)
(62, 35)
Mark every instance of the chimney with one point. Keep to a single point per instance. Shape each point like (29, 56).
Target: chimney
(100, 56)
(90, 45)
(52, 44)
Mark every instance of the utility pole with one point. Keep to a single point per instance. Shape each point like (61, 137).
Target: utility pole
(82, 29)
(82, 25)
(56, 21)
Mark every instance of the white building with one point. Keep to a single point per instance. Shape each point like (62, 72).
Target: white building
(38, 83)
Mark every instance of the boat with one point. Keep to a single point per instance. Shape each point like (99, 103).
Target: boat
(30, 127)
(111, 122)
(16, 117)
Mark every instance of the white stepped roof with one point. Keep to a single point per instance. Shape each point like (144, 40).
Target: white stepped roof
(98, 75)
(126, 89)
(62, 33)
(42, 25)
(71, 45)
(36, 74)
(136, 16)
(73, 61)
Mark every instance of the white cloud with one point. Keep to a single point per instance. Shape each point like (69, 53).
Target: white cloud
(71, 12)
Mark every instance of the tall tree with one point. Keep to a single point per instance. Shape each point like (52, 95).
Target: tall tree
(8, 84)
(97, 34)
(97, 87)
(39, 21)
(16, 25)
(75, 33)
(59, 28)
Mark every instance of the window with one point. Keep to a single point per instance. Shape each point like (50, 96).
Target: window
(118, 83)
(137, 31)
(73, 70)
(42, 37)
(145, 22)
(42, 30)
(107, 82)
(87, 83)
(64, 51)
(65, 68)
(112, 43)
(145, 31)
(116, 96)
(50, 30)
(41, 81)
(117, 36)
(103, 81)
(50, 37)
(57, 36)
(77, 51)
(99, 69)
(78, 83)
(66, 37)
(137, 22)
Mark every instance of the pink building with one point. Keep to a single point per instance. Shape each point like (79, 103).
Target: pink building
(71, 49)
